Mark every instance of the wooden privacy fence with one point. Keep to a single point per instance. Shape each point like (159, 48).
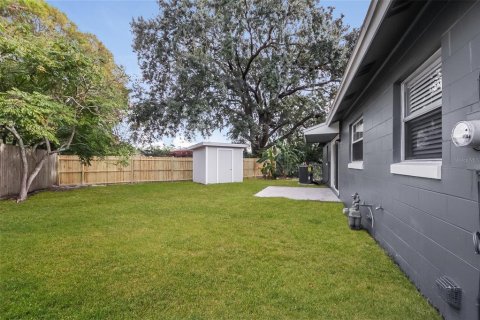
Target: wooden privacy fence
(251, 168)
(109, 170)
(11, 170)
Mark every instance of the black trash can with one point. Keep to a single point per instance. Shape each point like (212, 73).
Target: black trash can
(303, 174)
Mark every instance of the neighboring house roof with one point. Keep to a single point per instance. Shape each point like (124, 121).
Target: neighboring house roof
(181, 153)
(217, 144)
(386, 23)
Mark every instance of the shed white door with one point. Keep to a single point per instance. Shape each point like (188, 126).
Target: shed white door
(225, 165)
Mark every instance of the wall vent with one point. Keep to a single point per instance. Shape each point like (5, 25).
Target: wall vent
(449, 291)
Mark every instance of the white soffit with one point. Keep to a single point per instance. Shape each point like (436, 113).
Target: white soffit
(321, 133)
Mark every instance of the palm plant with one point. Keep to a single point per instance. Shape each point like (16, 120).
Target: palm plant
(288, 159)
(281, 159)
(269, 160)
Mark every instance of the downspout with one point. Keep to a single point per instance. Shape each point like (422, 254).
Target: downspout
(337, 158)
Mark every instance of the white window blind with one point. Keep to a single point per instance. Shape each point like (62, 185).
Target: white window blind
(422, 112)
(425, 91)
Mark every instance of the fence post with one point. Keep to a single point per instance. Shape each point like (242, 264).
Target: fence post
(57, 169)
(171, 168)
(83, 173)
(108, 168)
(132, 163)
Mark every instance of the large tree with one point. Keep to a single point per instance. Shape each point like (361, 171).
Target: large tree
(60, 89)
(260, 69)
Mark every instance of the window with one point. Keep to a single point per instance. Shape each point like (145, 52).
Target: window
(357, 140)
(422, 112)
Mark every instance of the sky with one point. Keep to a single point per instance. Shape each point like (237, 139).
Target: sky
(110, 21)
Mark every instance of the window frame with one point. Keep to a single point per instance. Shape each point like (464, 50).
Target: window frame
(424, 68)
(352, 141)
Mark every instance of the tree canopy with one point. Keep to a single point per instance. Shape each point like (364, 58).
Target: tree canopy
(60, 89)
(259, 69)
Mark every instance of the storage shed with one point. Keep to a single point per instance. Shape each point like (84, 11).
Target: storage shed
(215, 162)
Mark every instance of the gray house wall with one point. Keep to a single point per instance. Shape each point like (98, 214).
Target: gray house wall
(426, 225)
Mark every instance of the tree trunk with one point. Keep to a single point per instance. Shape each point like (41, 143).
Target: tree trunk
(35, 171)
(27, 180)
(23, 155)
(256, 148)
(23, 185)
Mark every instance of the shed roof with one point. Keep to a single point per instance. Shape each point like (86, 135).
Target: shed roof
(217, 144)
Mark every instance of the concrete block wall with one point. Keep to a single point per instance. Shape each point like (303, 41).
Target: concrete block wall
(426, 224)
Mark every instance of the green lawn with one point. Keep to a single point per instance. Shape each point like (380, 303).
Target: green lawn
(184, 250)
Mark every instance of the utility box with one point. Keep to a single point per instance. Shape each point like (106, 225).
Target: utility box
(215, 162)
(303, 174)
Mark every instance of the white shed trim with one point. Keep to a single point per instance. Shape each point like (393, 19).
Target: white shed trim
(206, 165)
(217, 144)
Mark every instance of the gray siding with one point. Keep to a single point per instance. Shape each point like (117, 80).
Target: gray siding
(426, 224)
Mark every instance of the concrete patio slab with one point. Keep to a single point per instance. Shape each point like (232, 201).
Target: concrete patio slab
(299, 193)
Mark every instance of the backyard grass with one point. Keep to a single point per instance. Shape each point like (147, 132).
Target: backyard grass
(181, 250)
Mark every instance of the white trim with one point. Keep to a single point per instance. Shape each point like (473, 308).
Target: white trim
(321, 132)
(353, 132)
(206, 165)
(422, 169)
(333, 163)
(322, 128)
(421, 112)
(352, 142)
(217, 144)
(357, 165)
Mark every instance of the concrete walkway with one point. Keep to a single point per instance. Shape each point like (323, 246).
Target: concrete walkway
(299, 193)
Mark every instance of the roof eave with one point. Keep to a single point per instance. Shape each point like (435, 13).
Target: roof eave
(217, 144)
(375, 15)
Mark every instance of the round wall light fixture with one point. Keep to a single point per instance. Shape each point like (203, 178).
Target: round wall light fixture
(466, 134)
